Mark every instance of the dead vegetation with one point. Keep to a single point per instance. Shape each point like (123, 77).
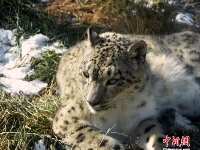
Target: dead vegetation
(122, 16)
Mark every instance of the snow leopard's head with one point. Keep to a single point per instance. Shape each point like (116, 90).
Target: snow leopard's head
(114, 68)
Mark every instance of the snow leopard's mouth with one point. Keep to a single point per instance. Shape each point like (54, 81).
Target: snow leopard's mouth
(92, 110)
(98, 107)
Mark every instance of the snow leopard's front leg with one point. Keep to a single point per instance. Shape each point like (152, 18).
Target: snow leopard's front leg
(150, 135)
(70, 126)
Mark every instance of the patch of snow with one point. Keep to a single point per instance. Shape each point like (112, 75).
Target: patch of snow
(15, 86)
(15, 61)
(39, 145)
(31, 47)
(133, 12)
(185, 18)
(7, 38)
(15, 73)
(173, 2)
(74, 20)
(45, 1)
(149, 3)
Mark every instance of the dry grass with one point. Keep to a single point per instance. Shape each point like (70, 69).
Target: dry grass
(158, 19)
(24, 119)
(117, 15)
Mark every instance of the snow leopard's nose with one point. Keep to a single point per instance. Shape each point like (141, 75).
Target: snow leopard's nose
(95, 93)
(93, 103)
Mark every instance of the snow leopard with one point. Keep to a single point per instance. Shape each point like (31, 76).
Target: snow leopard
(114, 87)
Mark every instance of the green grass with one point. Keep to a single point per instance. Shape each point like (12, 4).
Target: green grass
(45, 67)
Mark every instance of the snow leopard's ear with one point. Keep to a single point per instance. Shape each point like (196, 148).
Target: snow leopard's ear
(93, 37)
(138, 51)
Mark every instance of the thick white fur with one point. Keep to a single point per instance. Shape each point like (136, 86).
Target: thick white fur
(168, 85)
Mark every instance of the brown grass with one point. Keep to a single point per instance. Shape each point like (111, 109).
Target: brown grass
(117, 15)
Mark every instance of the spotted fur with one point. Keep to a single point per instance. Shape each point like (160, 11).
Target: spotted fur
(114, 88)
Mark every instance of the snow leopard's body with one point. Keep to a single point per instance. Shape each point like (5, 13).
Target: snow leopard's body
(112, 91)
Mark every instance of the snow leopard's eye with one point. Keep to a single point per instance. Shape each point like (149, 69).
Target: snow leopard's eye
(86, 74)
(112, 81)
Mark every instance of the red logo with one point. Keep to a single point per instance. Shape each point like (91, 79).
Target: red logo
(176, 141)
